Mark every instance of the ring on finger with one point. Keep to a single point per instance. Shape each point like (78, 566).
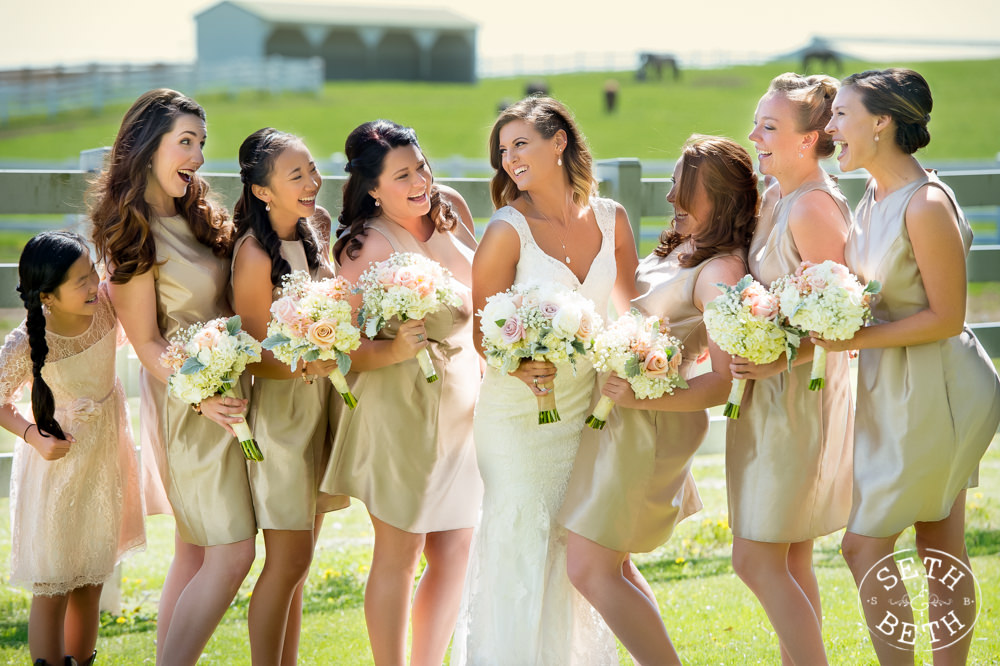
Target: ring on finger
(535, 382)
(420, 337)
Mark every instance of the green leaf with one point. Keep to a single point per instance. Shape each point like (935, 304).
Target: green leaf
(744, 282)
(632, 368)
(873, 287)
(310, 355)
(500, 322)
(192, 366)
(233, 324)
(343, 362)
(276, 340)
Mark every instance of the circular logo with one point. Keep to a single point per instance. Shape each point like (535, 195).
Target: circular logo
(919, 603)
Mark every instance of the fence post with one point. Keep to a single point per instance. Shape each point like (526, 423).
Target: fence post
(621, 180)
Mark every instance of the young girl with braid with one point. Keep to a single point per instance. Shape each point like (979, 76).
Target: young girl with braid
(75, 504)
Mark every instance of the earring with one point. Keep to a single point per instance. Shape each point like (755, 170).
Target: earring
(876, 138)
(267, 207)
(378, 202)
(800, 155)
(559, 161)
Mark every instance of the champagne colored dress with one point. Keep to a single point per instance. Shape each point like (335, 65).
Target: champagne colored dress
(632, 480)
(926, 413)
(519, 606)
(406, 450)
(187, 458)
(288, 418)
(788, 456)
(74, 518)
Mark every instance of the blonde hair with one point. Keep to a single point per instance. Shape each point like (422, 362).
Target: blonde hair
(547, 116)
(813, 99)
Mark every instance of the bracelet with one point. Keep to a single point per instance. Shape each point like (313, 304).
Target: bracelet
(196, 407)
(30, 426)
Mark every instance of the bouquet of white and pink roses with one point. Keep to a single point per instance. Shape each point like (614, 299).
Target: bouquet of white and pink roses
(549, 322)
(407, 286)
(640, 349)
(312, 321)
(825, 298)
(743, 321)
(207, 359)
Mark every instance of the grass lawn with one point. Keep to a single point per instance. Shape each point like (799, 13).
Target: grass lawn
(711, 616)
(651, 123)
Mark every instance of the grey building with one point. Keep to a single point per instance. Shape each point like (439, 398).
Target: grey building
(354, 42)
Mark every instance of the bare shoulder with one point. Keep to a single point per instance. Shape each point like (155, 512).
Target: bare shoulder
(726, 268)
(251, 255)
(931, 206)
(374, 248)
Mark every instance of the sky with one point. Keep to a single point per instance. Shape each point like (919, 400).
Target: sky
(48, 32)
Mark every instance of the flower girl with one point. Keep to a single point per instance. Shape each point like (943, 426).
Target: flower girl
(76, 506)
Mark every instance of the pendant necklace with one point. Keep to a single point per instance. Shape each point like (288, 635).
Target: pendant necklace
(559, 235)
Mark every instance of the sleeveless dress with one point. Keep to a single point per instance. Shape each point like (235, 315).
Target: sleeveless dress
(926, 413)
(632, 480)
(288, 418)
(406, 450)
(74, 518)
(519, 606)
(789, 455)
(187, 458)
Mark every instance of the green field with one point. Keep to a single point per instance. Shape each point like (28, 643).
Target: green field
(653, 119)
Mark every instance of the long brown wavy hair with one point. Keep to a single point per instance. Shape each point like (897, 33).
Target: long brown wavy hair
(724, 168)
(119, 214)
(547, 116)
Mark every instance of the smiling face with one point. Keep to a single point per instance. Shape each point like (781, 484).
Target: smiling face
(688, 222)
(779, 144)
(854, 129)
(292, 184)
(526, 155)
(403, 189)
(77, 295)
(177, 157)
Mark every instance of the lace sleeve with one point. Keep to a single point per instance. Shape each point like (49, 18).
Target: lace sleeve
(15, 365)
(105, 298)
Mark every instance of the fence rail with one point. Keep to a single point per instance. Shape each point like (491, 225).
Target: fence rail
(92, 87)
(62, 193)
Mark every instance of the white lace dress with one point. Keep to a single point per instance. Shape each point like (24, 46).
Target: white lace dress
(74, 518)
(520, 608)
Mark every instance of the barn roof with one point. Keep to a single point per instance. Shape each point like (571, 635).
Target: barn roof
(352, 15)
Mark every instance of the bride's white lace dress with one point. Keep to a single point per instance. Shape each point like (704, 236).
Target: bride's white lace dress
(520, 608)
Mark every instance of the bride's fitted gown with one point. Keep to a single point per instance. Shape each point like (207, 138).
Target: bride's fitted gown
(520, 608)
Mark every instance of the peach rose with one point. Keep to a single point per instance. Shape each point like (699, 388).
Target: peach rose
(206, 338)
(285, 311)
(322, 334)
(586, 330)
(406, 277)
(762, 303)
(657, 364)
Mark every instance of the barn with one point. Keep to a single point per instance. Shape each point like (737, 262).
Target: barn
(354, 42)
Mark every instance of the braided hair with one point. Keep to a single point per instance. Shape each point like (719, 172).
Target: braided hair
(258, 153)
(43, 266)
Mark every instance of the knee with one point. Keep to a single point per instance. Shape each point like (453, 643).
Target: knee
(852, 548)
(745, 564)
(236, 562)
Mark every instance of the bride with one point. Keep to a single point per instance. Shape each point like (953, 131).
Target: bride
(519, 605)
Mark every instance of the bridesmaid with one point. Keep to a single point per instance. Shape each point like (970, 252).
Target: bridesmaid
(167, 251)
(406, 451)
(277, 220)
(788, 456)
(928, 395)
(632, 481)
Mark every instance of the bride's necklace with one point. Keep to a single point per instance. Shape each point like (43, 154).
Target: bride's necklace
(562, 240)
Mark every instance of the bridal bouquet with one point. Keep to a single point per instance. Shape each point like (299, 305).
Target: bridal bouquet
(207, 359)
(408, 286)
(825, 298)
(312, 321)
(641, 350)
(549, 322)
(743, 321)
